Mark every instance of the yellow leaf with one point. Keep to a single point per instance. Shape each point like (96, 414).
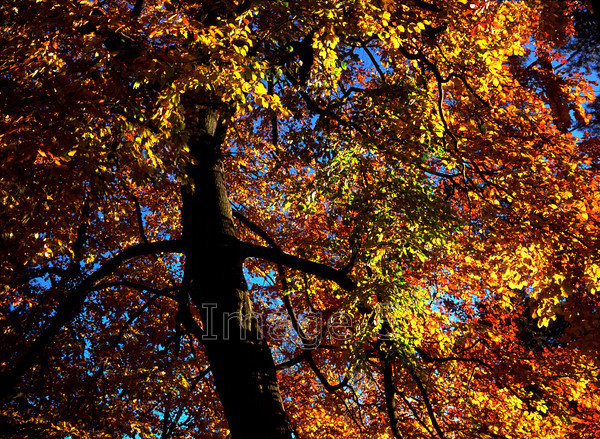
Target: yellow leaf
(260, 89)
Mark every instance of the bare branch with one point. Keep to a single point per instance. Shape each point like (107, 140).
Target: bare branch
(414, 412)
(134, 285)
(255, 228)
(198, 378)
(139, 218)
(279, 257)
(440, 85)
(373, 60)
(291, 362)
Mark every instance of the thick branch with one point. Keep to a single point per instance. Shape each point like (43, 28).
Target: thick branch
(282, 276)
(390, 401)
(292, 362)
(137, 8)
(279, 257)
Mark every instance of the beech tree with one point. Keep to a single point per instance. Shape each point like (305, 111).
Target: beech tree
(309, 219)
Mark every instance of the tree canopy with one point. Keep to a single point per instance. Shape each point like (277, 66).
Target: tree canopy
(307, 219)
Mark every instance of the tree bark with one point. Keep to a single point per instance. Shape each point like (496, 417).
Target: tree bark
(240, 359)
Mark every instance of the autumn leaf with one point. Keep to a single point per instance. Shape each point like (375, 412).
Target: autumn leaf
(365, 219)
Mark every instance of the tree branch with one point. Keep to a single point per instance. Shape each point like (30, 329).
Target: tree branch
(373, 60)
(80, 236)
(41, 272)
(137, 8)
(428, 359)
(73, 303)
(414, 412)
(427, 6)
(139, 217)
(390, 401)
(282, 277)
(198, 378)
(331, 388)
(440, 85)
(314, 107)
(291, 362)
(279, 257)
(427, 403)
(256, 229)
(124, 283)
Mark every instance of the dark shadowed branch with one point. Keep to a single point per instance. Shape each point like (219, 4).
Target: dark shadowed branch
(390, 400)
(137, 8)
(72, 304)
(280, 271)
(279, 257)
(331, 388)
(427, 403)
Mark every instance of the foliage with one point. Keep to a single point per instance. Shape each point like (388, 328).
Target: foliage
(422, 155)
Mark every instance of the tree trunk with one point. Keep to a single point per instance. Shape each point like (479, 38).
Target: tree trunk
(240, 359)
